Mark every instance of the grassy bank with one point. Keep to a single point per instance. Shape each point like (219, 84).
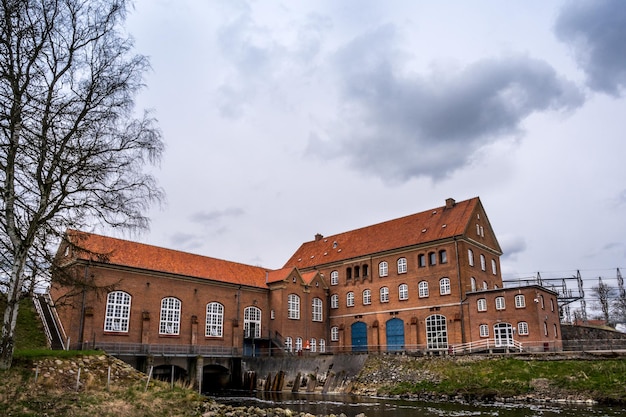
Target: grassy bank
(522, 378)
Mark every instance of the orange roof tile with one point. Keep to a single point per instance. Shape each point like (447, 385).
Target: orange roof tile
(427, 226)
(138, 255)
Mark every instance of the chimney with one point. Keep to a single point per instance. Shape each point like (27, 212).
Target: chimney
(450, 203)
(318, 237)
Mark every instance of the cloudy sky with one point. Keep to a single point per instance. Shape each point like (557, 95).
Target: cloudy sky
(286, 119)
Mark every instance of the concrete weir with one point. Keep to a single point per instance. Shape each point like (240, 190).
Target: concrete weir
(325, 373)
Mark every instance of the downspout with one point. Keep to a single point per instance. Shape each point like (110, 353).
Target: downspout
(461, 296)
(81, 326)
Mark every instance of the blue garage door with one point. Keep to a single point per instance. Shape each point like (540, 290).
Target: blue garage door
(395, 334)
(359, 337)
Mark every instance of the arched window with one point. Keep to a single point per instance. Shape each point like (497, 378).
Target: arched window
(423, 289)
(484, 330)
(402, 266)
(403, 292)
(288, 344)
(470, 257)
(483, 264)
(500, 303)
(473, 283)
(117, 313)
(313, 345)
(298, 344)
(252, 322)
(350, 299)
(443, 256)
(444, 286)
(334, 278)
(334, 334)
(520, 301)
(522, 328)
(494, 267)
(481, 304)
(334, 301)
(367, 297)
(383, 269)
(214, 320)
(357, 271)
(293, 307)
(322, 345)
(316, 309)
(170, 316)
(436, 332)
(384, 295)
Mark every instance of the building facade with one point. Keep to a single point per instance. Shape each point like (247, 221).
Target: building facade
(428, 282)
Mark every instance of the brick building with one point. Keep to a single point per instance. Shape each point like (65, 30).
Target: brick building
(426, 282)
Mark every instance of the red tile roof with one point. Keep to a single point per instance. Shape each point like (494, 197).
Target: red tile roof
(427, 226)
(138, 255)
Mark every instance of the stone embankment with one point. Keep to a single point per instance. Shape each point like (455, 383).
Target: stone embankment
(220, 410)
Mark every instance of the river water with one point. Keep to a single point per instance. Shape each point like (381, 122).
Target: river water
(379, 407)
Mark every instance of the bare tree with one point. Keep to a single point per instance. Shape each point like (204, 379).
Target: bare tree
(72, 151)
(604, 294)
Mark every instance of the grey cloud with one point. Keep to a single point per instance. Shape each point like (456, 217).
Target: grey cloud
(512, 246)
(400, 125)
(211, 217)
(186, 241)
(596, 31)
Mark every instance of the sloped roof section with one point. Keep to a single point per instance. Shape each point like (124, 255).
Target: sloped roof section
(443, 222)
(121, 252)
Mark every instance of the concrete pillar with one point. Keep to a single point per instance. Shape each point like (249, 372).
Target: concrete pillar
(199, 372)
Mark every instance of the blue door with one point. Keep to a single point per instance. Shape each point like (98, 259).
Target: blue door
(359, 337)
(395, 334)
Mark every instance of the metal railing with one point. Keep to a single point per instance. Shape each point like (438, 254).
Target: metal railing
(486, 345)
(140, 349)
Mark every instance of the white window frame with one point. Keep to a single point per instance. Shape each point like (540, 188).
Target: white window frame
(522, 328)
(334, 334)
(422, 289)
(470, 257)
(293, 307)
(481, 304)
(402, 266)
(500, 303)
(169, 322)
(313, 344)
(403, 292)
(317, 309)
(367, 297)
(117, 313)
(252, 315)
(436, 332)
(334, 301)
(334, 278)
(288, 344)
(383, 269)
(444, 286)
(520, 301)
(322, 345)
(350, 299)
(494, 267)
(384, 294)
(298, 344)
(483, 330)
(214, 323)
(483, 262)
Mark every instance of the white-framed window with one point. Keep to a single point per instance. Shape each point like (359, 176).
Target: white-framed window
(383, 269)
(477, 229)
(288, 344)
(313, 345)
(402, 266)
(316, 309)
(481, 304)
(545, 328)
(403, 292)
(117, 313)
(556, 332)
(473, 283)
(494, 267)
(484, 330)
(500, 303)
(470, 257)
(522, 328)
(322, 345)
(334, 334)
(444, 286)
(367, 297)
(298, 344)
(436, 332)
(214, 325)
(334, 278)
(252, 322)
(551, 304)
(170, 316)
(293, 307)
(350, 299)
(272, 314)
(483, 262)
(334, 301)
(384, 295)
(485, 286)
(422, 289)
(520, 301)
(443, 256)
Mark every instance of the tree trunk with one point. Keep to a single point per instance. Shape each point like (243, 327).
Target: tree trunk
(7, 340)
